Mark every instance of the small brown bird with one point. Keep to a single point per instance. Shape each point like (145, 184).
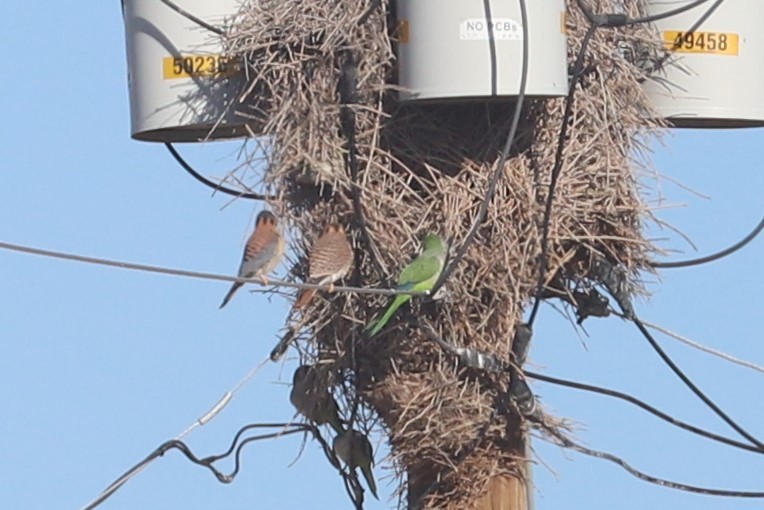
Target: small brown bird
(354, 449)
(330, 259)
(313, 400)
(262, 254)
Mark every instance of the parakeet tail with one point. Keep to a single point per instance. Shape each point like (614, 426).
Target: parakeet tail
(304, 298)
(230, 294)
(369, 476)
(399, 300)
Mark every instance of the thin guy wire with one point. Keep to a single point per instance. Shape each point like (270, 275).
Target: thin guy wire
(688, 382)
(697, 345)
(272, 282)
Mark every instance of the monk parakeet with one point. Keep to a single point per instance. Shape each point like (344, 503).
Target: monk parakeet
(420, 275)
(354, 449)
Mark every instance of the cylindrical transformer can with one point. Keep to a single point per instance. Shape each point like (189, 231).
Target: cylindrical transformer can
(715, 76)
(474, 48)
(182, 88)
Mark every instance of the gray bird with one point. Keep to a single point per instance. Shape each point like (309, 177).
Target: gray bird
(354, 449)
(313, 400)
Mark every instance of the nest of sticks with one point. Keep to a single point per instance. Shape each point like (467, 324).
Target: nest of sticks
(321, 84)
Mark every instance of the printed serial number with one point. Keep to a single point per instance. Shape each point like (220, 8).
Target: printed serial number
(717, 43)
(208, 66)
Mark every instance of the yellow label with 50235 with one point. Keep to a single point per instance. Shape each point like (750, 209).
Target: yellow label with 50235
(203, 66)
(715, 43)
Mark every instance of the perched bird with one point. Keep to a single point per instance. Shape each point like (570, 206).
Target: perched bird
(354, 449)
(330, 259)
(313, 400)
(262, 254)
(420, 275)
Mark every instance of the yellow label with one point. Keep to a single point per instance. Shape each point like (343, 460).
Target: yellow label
(204, 66)
(403, 31)
(716, 43)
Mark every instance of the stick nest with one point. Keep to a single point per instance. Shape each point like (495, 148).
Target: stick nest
(424, 168)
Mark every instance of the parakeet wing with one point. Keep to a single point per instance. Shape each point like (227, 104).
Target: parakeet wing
(421, 269)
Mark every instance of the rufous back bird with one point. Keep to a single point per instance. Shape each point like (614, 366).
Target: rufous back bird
(262, 254)
(330, 260)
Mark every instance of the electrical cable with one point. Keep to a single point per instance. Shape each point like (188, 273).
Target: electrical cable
(206, 462)
(191, 17)
(217, 187)
(273, 282)
(675, 12)
(694, 388)
(639, 403)
(569, 443)
(556, 169)
(493, 182)
(714, 256)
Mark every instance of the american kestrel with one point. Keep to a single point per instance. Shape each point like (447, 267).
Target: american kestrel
(330, 259)
(354, 449)
(262, 254)
(313, 400)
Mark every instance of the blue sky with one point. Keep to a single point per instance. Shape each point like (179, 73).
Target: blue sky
(100, 365)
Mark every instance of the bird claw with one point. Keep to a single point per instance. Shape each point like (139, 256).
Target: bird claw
(331, 288)
(264, 280)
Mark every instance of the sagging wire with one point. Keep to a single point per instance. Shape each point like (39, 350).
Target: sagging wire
(590, 303)
(272, 282)
(206, 462)
(493, 182)
(568, 443)
(352, 485)
(714, 256)
(643, 405)
(614, 279)
(557, 168)
(476, 359)
(217, 187)
(692, 386)
(191, 17)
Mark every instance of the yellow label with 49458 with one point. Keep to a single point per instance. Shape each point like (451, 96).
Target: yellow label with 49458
(201, 66)
(715, 43)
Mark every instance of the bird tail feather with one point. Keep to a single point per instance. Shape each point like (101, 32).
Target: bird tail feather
(230, 294)
(304, 298)
(399, 300)
(367, 474)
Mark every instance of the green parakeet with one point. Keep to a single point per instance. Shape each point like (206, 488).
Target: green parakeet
(420, 275)
(313, 400)
(354, 449)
